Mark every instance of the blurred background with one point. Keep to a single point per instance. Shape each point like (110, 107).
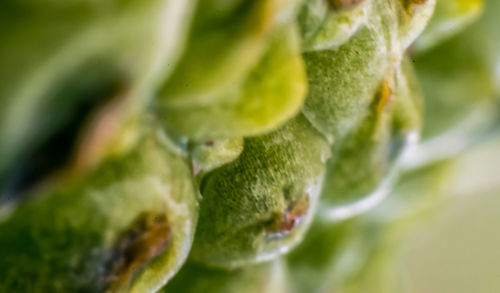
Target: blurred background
(438, 229)
(441, 229)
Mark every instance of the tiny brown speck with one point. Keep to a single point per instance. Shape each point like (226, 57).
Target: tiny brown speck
(345, 4)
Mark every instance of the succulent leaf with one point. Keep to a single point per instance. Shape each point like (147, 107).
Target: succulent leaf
(272, 93)
(127, 226)
(259, 206)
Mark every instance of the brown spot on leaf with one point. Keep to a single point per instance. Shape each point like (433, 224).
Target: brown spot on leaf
(147, 237)
(345, 4)
(409, 5)
(290, 218)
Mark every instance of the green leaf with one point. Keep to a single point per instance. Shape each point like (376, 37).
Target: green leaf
(126, 226)
(324, 27)
(364, 163)
(343, 80)
(259, 206)
(226, 41)
(272, 93)
(215, 153)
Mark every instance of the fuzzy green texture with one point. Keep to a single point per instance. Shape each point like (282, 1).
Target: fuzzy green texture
(324, 28)
(63, 240)
(336, 77)
(369, 153)
(245, 202)
(342, 100)
(343, 81)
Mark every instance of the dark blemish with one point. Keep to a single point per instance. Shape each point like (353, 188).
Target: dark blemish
(290, 218)
(409, 5)
(209, 143)
(345, 4)
(147, 237)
